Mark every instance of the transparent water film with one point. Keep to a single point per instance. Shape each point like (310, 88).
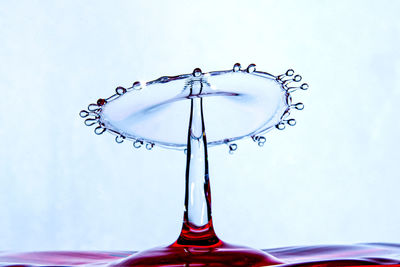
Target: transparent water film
(192, 112)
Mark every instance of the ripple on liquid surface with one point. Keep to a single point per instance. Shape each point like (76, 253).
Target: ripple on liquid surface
(327, 255)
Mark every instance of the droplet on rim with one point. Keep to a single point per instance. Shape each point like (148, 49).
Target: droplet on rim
(99, 130)
(90, 122)
(137, 85)
(137, 144)
(304, 86)
(93, 107)
(260, 140)
(101, 102)
(289, 72)
(196, 72)
(120, 90)
(291, 122)
(83, 113)
(297, 78)
(119, 139)
(280, 126)
(149, 146)
(299, 106)
(232, 148)
(251, 68)
(237, 67)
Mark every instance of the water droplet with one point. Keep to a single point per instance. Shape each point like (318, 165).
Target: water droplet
(260, 140)
(93, 107)
(304, 86)
(119, 139)
(185, 151)
(83, 114)
(237, 67)
(120, 90)
(101, 102)
(99, 130)
(149, 146)
(289, 72)
(280, 126)
(137, 144)
(196, 72)
(137, 85)
(291, 122)
(232, 148)
(251, 68)
(299, 106)
(297, 78)
(90, 122)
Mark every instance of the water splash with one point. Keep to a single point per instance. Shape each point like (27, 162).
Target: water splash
(233, 91)
(214, 83)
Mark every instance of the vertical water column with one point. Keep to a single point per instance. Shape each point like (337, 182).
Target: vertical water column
(197, 229)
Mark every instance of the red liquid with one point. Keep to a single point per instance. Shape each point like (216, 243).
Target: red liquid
(199, 246)
(220, 254)
(315, 256)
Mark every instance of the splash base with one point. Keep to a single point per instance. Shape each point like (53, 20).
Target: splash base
(220, 254)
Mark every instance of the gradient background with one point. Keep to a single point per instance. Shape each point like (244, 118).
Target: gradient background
(331, 179)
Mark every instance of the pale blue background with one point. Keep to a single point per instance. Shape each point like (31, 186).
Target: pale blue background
(331, 179)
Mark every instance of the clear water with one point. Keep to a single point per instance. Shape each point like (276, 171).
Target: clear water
(236, 103)
(175, 112)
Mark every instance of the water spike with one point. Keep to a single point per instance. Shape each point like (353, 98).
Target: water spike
(83, 113)
(237, 67)
(291, 122)
(196, 72)
(120, 90)
(119, 139)
(298, 106)
(137, 144)
(99, 130)
(280, 126)
(232, 148)
(285, 114)
(149, 146)
(251, 68)
(90, 122)
(297, 78)
(289, 72)
(93, 107)
(137, 85)
(291, 89)
(101, 102)
(304, 86)
(288, 99)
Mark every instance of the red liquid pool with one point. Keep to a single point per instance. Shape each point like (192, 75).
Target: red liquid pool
(317, 256)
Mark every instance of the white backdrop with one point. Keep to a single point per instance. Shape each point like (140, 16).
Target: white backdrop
(333, 178)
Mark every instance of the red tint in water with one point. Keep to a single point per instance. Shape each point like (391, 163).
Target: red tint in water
(311, 256)
(219, 254)
(199, 246)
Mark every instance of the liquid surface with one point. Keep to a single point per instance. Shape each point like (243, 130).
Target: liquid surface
(328, 255)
